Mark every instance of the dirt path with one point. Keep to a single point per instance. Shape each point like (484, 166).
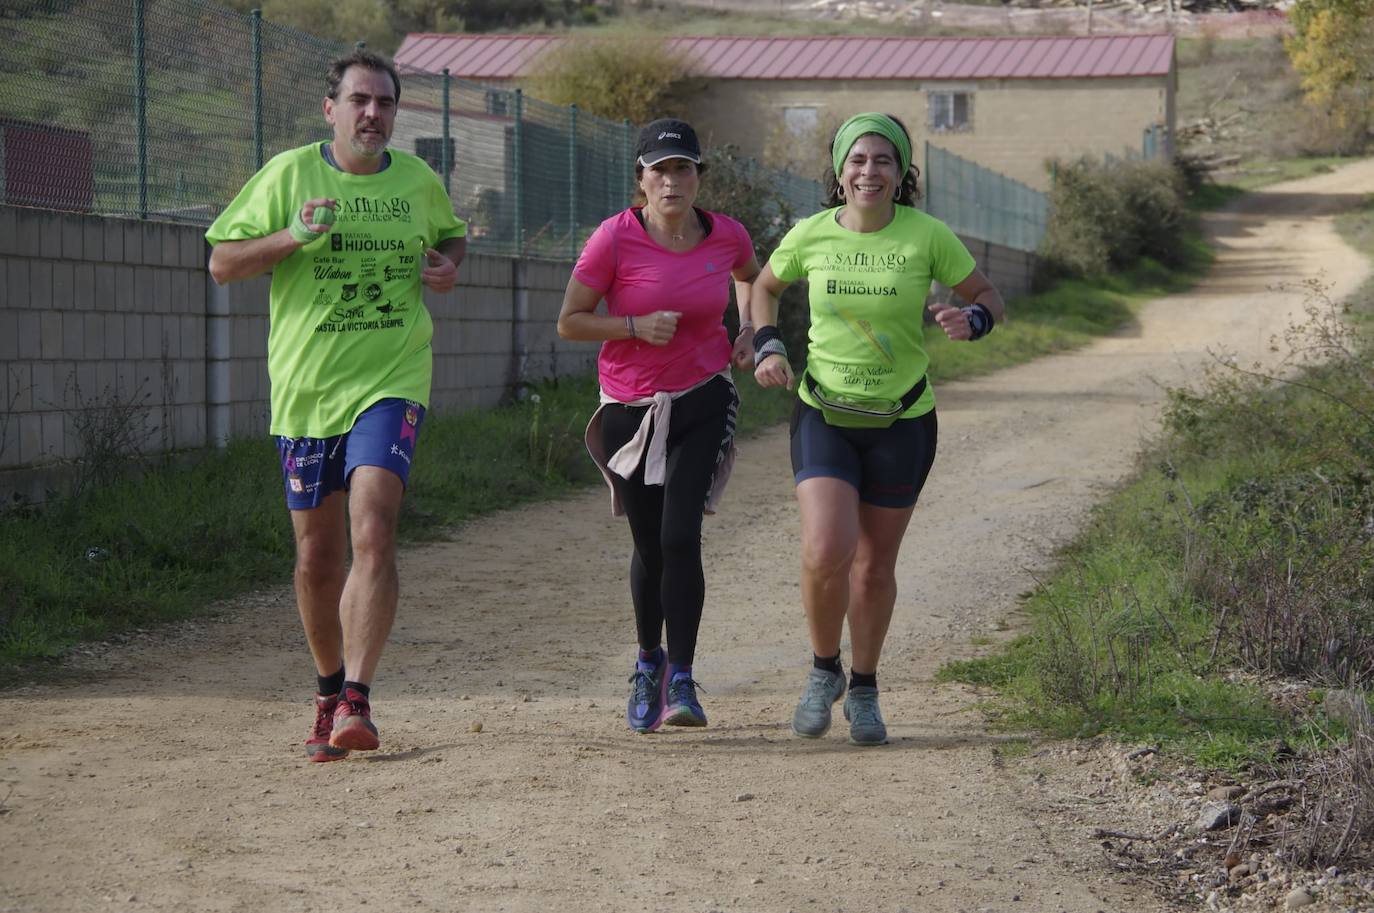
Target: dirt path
(171, 777)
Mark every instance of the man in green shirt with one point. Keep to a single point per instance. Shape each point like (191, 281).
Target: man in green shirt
(352, 232)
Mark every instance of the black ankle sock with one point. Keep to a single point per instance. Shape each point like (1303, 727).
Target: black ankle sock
(828, 663)
(330, 684)
(364, 690)
(862, 680)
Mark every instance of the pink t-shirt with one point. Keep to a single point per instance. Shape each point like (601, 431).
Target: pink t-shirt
(638, 277)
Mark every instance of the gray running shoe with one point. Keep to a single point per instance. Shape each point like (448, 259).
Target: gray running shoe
(865, 721)
(811, 719)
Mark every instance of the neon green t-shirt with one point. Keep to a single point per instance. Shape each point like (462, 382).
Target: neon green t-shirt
(348, 321)
(868, 293)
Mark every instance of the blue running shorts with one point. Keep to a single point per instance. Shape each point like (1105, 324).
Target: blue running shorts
(384, 435)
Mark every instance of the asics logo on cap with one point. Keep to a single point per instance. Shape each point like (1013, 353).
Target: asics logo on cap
(673, 135)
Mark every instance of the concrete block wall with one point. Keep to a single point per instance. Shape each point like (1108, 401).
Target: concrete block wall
(239, 394)
(94, 312)
(1012, 271)
(548, 356)
(96, 309)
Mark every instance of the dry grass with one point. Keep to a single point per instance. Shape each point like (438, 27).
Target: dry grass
(1250, 91)
(1335, 811)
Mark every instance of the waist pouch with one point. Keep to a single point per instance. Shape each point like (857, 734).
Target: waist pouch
(850, 412)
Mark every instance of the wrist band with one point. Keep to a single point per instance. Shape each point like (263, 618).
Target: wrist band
(767, 341)
(745, 326)
(771, 347)
(300, 232)
(979, 320)
(630, 325)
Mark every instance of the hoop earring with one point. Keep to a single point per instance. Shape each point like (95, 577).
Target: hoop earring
(839, 191)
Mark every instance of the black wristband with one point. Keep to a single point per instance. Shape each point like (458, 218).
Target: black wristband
(979, 320)
(763, 334)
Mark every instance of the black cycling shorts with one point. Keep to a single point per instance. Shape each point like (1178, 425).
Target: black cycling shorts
(888, 466)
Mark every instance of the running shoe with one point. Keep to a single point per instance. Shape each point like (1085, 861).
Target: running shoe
(683, 707)
(317, 747)
(811, 719)
(648, 688)
(353, 723)
(866, 725)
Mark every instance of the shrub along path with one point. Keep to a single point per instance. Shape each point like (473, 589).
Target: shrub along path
(168, 772)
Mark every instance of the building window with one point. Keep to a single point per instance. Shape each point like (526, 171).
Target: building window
(431, 149)
(800, 121)
(950, 111)
(498, 102)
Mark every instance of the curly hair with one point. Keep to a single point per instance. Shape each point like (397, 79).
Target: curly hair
(908, 195)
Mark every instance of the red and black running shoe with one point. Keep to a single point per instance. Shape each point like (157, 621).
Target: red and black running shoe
(317, 747)
(353, 727)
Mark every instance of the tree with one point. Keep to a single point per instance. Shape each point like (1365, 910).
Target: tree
(487, 15)
(631, 76)
(439, 16)
(738, 187)
(345, 21)
(1333, 49)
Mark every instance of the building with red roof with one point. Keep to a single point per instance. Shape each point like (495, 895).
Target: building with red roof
(1008, 103)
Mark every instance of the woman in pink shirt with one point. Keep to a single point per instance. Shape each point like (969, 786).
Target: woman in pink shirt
(664, 434)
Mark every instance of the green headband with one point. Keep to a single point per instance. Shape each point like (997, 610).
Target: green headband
(861, 124)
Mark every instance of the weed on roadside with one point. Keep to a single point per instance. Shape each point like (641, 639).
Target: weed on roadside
(1238, 559)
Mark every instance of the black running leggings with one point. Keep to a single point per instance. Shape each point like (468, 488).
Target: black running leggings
(666, 579)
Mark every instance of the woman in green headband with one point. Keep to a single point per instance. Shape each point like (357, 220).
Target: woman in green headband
(864, 429)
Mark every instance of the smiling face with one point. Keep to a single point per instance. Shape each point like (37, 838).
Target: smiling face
(670, 186)
(363, 116)
(871, 175)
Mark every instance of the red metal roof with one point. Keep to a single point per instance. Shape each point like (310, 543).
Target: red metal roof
(830, 57)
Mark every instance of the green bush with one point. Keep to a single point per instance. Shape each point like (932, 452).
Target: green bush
(631, 76)
(736, 186)
(1105, 217)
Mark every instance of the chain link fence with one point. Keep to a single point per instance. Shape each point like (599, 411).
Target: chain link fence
(164, 108)
(983, 204)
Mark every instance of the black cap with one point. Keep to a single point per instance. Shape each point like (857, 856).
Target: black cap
(668, 139)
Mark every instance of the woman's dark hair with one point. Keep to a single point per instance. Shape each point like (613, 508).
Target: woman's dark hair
(909, 194)
(639, 175)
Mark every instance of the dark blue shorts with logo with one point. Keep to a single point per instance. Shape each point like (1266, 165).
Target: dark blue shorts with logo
(384, 435)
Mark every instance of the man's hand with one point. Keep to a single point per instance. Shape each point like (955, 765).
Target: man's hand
(439, 274)
(953, 321)
(318, 215)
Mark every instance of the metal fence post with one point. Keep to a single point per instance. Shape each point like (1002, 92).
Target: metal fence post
(925, 157)
(572, 183)
(141, 108)
(444, 162)
(257, 88)
(627, 168)
(519, 174)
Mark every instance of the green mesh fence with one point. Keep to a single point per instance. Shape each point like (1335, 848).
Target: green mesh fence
(983, 204)
(164, 108)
